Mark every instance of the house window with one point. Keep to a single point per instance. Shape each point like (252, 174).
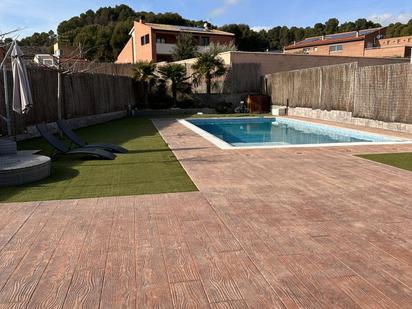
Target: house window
(335, 48)
(144, 39)
(306, 50)
(204, 41)
(160, 40)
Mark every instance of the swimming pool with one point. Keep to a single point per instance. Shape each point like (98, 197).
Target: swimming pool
(280, 132)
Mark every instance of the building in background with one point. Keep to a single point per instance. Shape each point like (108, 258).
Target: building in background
(45, 60)
(363, 43)
(156, 42)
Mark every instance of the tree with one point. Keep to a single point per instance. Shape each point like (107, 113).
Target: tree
(363, 23)
(120, 35)
(110, 26)
(117, 21)
(208, 66)
(103, 51)
(246, 39)
(319, 29)
(144, 72)
(218, 48)
(40, 39)
(347, 27)
(332, 26)
(86, 38)
(399, 29)
(176, 73)
(185, 47)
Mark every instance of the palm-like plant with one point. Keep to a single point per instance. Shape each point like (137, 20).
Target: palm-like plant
(208, 66)
(176, 73)
(144, 71)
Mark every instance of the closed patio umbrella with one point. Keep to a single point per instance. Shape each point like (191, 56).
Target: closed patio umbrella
(22, 99)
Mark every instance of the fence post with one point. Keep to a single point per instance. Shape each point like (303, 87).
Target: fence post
(59, 97)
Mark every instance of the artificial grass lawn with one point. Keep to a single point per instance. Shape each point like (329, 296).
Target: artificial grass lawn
(149, 167)
(401, 160)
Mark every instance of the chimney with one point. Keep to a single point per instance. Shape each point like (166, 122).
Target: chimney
(323, 37)
(142, 19)
(206, 25)
(357, 34)
(294, 42)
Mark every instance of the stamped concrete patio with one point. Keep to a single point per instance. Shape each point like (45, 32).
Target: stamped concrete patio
(273, 228)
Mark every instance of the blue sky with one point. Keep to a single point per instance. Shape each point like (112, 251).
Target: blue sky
(43, 15)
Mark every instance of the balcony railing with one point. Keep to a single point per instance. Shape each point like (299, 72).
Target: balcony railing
(167, 49)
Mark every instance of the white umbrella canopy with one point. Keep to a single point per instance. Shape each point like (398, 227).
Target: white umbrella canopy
(22, 99)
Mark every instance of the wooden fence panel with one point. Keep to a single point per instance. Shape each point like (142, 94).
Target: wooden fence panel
(117, 69)
(384, 93)
(338, 87)
(83, 95)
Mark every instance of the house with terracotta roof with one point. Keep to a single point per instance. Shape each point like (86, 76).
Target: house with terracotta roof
(156, 42)
(363, 43)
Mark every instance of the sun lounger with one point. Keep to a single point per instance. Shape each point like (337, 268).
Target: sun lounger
(77, 140)
(61, 148)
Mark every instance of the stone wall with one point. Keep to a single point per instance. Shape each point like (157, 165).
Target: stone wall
(74, 123)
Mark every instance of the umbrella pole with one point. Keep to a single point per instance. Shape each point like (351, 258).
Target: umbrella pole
(6, 89)
(6, 100)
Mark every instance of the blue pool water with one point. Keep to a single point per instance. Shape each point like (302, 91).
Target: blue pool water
(282, 131)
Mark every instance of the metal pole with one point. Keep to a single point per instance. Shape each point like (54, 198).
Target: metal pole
(59, 94)
(6, 100)
(6, 89)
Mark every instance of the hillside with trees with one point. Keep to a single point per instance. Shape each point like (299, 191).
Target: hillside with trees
(103, 33)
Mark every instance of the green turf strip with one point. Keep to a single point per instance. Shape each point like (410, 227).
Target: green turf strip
(149, 167)
(401, 160)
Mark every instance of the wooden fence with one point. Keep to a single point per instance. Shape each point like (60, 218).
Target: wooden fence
(83, 95)
(380, 92)
(99, 68)
(384, 93)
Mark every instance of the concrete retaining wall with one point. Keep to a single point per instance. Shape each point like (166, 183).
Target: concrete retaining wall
(347, 118)
(74, 123)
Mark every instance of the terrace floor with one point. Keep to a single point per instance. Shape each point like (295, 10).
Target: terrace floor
(269, 228)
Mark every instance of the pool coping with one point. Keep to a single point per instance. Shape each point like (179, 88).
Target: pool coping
(226, 146)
